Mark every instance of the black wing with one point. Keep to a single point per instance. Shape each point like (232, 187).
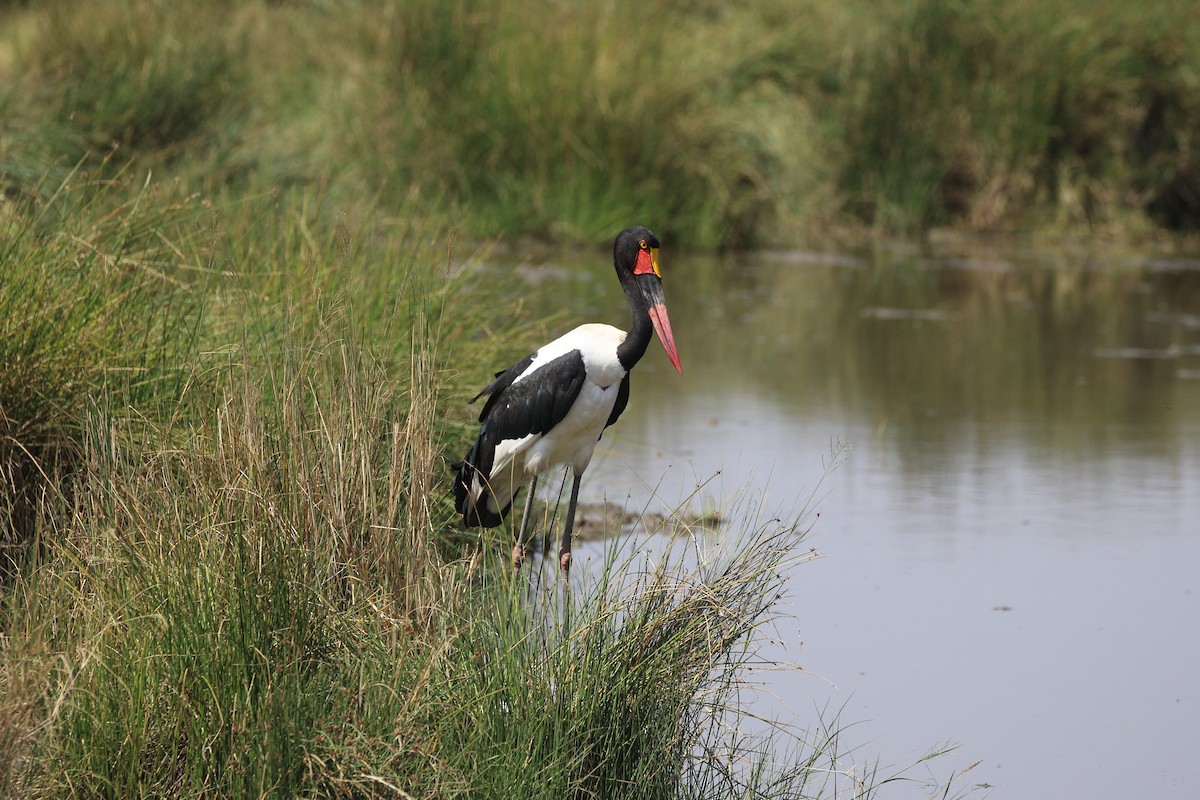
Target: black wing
(504, 379)
(514, 410)
(536, 403)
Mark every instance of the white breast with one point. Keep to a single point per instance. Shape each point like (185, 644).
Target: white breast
(572, 440)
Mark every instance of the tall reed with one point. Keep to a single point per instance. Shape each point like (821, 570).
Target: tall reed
(86, 305)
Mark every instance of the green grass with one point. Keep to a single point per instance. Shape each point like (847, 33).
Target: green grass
(88, 303)
(720, 125)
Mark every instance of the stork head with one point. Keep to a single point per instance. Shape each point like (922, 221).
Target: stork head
(635, 254)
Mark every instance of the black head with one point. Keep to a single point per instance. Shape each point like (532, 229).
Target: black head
(635, 254)
(632, 242)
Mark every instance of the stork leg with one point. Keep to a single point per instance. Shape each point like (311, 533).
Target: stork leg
(518, 554)
(564, 549)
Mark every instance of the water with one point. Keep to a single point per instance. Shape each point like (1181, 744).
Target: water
(1010, 552)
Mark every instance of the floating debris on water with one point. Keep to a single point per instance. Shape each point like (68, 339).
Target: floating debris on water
(926, 314)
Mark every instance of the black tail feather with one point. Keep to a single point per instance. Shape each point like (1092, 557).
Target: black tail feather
(476, 514)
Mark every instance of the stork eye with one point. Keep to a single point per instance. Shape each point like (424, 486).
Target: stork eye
(642, 244)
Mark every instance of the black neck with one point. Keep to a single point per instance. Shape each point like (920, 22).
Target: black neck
(630, 351)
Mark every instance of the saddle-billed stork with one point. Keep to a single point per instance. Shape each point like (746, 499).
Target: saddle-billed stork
(550, 408)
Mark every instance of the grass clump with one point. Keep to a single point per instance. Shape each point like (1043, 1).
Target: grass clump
(218, 591)
(623, 690)
(85, 307)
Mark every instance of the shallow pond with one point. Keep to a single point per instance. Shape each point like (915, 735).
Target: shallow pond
(1010, 550)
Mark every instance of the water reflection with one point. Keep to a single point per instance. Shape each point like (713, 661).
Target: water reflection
(1011, 550)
